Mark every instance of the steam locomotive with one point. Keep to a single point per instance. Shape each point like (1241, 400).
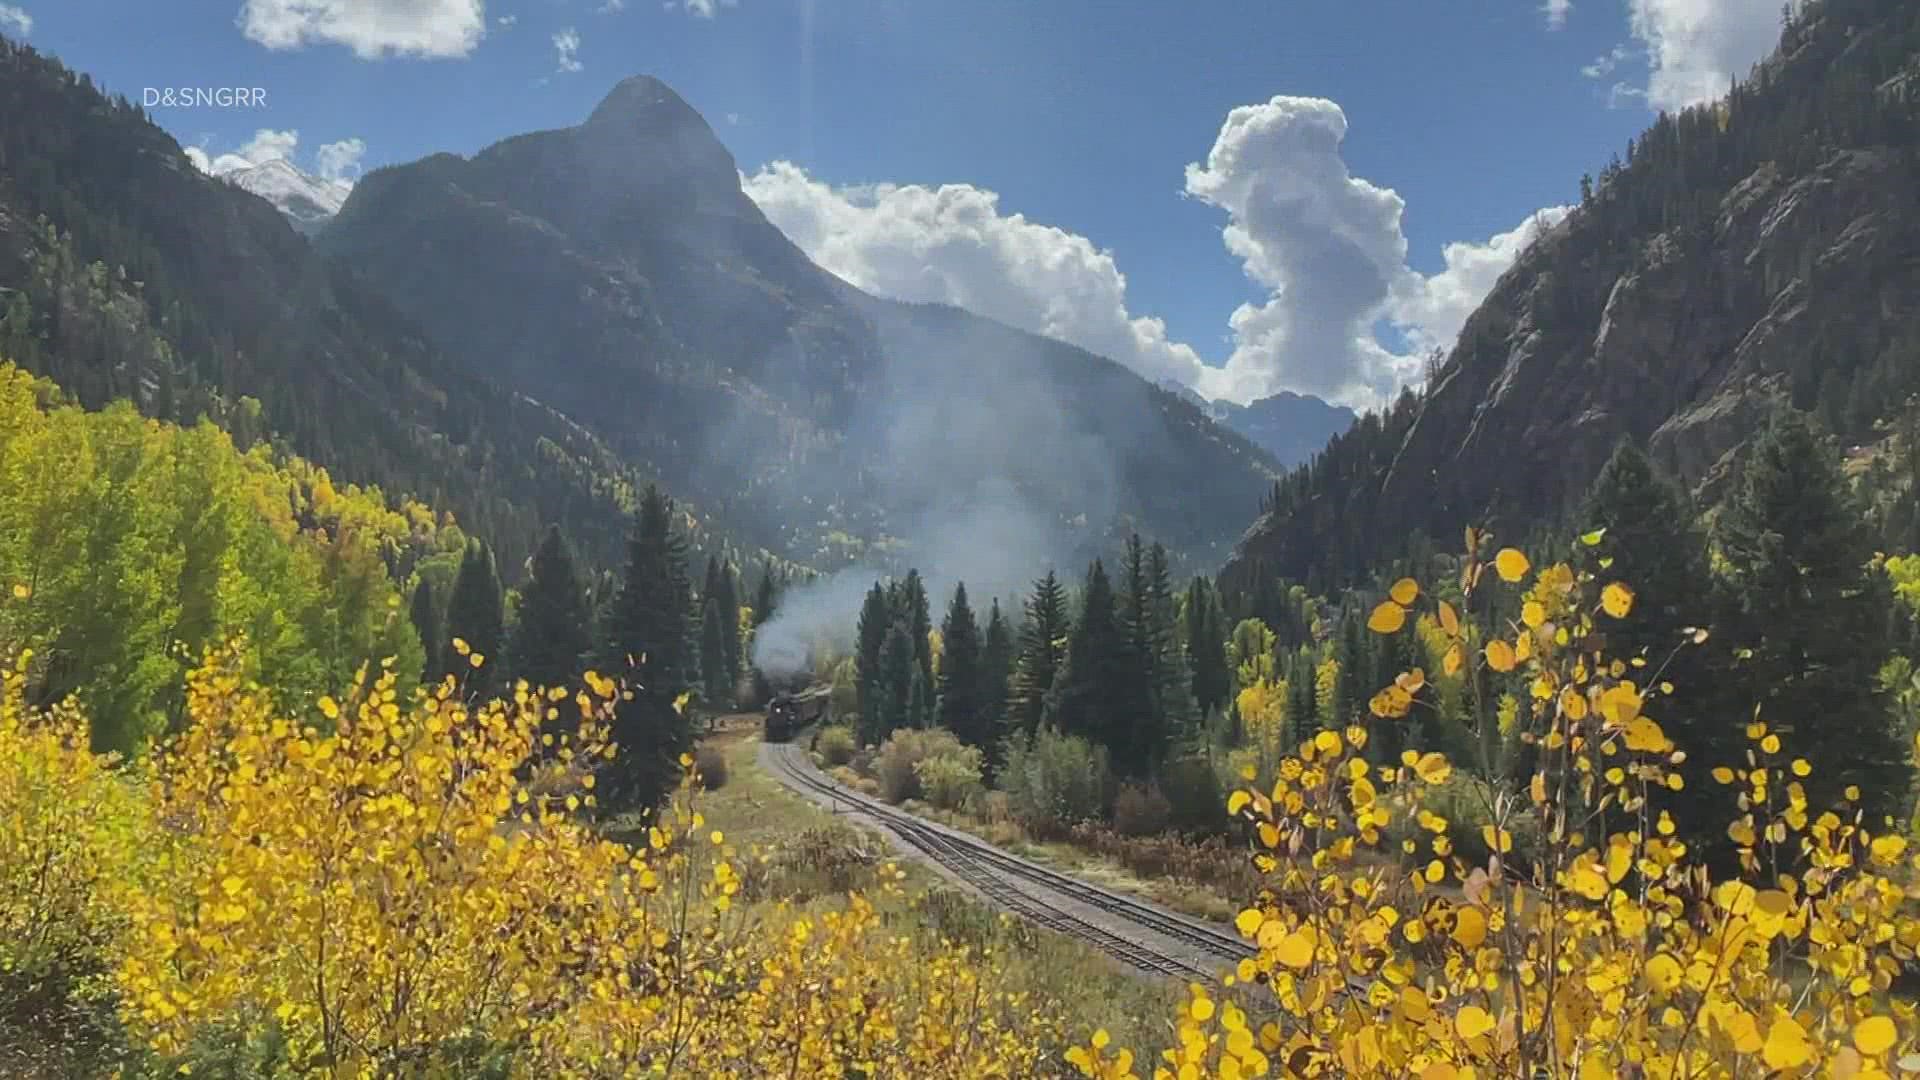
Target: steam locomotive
(790, 711)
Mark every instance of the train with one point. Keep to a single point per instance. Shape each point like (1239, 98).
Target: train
(789, 712)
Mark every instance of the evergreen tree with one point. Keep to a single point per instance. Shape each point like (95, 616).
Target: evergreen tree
(919, 618)
(876, 619)
(728, 594)
(1802, 598)
(766, 597)
(648, 645)
(1142, 732)
(919, 702)
(961, 709)
(1206, 642)
(553, 633)
(996, 667)
(893, 700)
(1087, 697)
(476, 615)
(1043, 645)
(426, 623)
(716, 686)
(1172, 677)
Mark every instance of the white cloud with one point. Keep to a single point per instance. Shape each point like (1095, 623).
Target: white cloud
(1556, 12)
(1604, 64)
(371, 28)
(613, 7)
(733, 119)
(705, 9)
(1326, 245)
(567, 44)
(266, 145)
(16, 19)
(340, 161)
(507, 20)
(1696, 47)
(951, 244)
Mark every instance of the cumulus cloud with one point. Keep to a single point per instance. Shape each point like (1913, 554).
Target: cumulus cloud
(951, 244)
(266, 145)
(705, 9)
(1695, 47)
(1326, 246)
(1556, 12)
(371, 28)
(567, 44)
(16, 19)
(340, 161)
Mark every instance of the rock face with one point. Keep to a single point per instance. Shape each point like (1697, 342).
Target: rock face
(617, 271)
(1292, 427)
(1767, 251)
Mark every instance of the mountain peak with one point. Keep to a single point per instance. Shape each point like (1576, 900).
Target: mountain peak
(644, 101)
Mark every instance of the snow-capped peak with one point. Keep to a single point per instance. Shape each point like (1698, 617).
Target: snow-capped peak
(307, 200)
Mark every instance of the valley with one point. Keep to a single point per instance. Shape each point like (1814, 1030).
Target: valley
(546, 606)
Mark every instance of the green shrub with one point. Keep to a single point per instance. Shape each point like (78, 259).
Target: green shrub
(950, 780)
(1140, 810)
(1197, 801)
(1055, 782)
(836, 745)
(897, 765)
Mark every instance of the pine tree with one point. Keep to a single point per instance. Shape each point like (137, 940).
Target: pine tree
(876, 619)
(919, 702)
(728, 595)
(553, 633)
(1138, 742)
(766, 596)
(1172, 677)
(1088, 696)
(476, 615)
(996, 667)
(648, 645)
(1206, 642)
(1043, 642)
(426, 623)
(893, 699)
(716, 686)
(1802, 598)
(961, 710)
(919, 618)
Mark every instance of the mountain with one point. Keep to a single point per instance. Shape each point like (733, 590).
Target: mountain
(126, 272)
(1288, 426)
(1292, 427)
(309, 202)
(1762, 249)
(616, 271)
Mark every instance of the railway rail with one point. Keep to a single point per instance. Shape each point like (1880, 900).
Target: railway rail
(999, 876)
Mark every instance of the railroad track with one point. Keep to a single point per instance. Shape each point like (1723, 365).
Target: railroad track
(995, 875)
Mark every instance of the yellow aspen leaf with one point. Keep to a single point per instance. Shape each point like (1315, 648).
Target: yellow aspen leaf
(1238, 801)
(1511, 564)
(476, 659)
(1439, 1070)
(1500, 841)
(1645, 735)
(1533, 613)
(1500, 655)
(1663, 972)
(1248, 922)
(1723, 775)
(460, 646)
(1434, 768)
(680, 703)
(1875, 1035)
(1887, 849)
(1470, 927)
(1593, 538)
(329, 708)
(1472, 1022)
(1616, 600)
(1538, 788)
(1586, 881)
(1449, 619)
(1786, 1046)
(1387, 618)
(21, 592)
(1454, 660)
(1295, 950)
(1405, 591)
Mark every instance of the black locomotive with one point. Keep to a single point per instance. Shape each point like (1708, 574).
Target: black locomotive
(789, 712)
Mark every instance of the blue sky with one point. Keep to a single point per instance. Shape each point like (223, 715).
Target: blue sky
(1369, 137)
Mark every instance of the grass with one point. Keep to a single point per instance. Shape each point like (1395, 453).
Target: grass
(794, 850)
